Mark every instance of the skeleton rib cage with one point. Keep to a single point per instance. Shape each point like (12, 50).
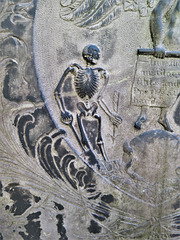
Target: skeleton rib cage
(86, 82)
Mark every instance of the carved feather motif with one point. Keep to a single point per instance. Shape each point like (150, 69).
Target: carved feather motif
(86, 83)
(94, 14)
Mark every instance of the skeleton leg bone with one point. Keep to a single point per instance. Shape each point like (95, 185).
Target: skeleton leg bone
(83, 136)
(100, 142)
(77, 137)
(88, 153)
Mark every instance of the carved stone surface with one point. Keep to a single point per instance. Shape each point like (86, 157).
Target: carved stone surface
(90, 119)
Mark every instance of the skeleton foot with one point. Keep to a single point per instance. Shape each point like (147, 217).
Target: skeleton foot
(139, 122)
(165, 123)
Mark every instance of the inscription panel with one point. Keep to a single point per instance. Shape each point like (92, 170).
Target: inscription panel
(156, 82)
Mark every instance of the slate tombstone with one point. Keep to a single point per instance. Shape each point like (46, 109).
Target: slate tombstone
(90, 119)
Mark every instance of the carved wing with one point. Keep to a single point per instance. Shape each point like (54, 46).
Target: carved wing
(91, 14)
(94, 14)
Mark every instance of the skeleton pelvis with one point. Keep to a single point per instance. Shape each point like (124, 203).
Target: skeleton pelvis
(87, 110)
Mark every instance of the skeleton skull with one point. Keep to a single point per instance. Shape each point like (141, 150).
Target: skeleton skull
(91, 54)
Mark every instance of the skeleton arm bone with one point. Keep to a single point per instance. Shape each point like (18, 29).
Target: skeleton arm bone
(57, 92)
(66, 116)
(115, 118)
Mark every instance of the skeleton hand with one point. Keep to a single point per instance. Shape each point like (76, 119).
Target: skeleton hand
(159, 51)
(115, 119)
(66, 118)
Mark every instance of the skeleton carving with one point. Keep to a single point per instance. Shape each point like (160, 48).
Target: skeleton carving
(87, 84)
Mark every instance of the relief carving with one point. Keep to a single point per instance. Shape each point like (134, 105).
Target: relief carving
(156, 81)
(86, 85)
(68, 168)
(96, 14)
